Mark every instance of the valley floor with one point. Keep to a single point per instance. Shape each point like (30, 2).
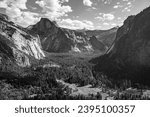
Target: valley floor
(62, 77)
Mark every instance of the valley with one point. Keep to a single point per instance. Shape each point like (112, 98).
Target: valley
(48, 62)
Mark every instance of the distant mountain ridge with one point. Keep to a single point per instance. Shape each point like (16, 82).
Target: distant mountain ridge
(107, 37)
(57, 39)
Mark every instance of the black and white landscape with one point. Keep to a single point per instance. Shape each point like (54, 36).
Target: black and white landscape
(49, 61)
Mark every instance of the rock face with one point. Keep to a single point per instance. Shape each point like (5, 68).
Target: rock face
(107, 37)
(56, 39)
(129, 56)
(18, 45)
(97, 45)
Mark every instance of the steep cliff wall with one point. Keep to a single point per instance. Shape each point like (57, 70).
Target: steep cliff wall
(57, 39)
(129, 56)
(18, 45)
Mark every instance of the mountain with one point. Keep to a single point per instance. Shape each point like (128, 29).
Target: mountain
(97, 45)
(17, 45)
(129, 56)
(107, 37)
(57, 39)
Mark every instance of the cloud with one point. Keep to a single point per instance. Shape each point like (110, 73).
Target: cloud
(118, 5)
(76, 24)
(107, 1)
(28, 18)
(18, 12)
(40, 3)
(106, 24)
(87, 3)
(54, 9)
(104, 17)
(14, 11)
(21, 4)
(98, 27)
(128, 5)
(64, 1)
(119, 18)
(127, 8)
(113, 24)
(110, 24)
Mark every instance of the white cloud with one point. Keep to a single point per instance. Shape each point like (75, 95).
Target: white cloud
(3, 4)
(126, 5)
(129, 3)
(28, 18)
(76, 24)
(118, 3)
(106, 24)
(104, 17)
(98, 27)
(54, 9)
(110, 24)
(14, 11)
(119, 18)
(113, 24)
(107, 1)
(117, 6)
(21, 4)
(126, 9)
(87, 2)
(40, 3)
(64, 1)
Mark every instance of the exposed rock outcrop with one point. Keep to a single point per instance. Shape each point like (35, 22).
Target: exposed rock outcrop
(18, 45)
(57, 39)
(107, 37)
(97, 45)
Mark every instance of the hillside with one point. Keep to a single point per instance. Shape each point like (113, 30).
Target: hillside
(107, 37)
(17, 45)
(58, 40)
(129, 56)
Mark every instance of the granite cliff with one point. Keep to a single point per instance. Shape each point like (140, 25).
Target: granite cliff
(57, 39)
(17, 45)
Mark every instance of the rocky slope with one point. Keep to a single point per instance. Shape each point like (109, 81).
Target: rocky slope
(129, 56)
(97, 45)
(56, 39)
(17, 45)
(107, 37)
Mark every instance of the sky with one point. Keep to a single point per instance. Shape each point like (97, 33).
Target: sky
(73, 14)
